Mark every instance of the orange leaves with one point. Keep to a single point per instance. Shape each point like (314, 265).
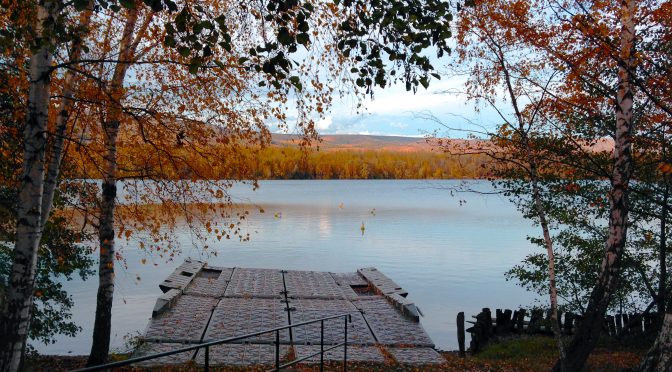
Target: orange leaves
(665, 168)
(572, 187)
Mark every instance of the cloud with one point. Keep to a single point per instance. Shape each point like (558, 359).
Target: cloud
(394, 111)
(400, 125)
(325, 123)
(396, 100)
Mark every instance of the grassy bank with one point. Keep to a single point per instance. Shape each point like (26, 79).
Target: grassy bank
(525, 354)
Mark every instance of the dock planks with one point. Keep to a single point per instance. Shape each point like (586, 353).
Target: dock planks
(389, 326)
(238, 316)
(206, 303)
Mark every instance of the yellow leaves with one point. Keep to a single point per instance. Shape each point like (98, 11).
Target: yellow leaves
(505, 131)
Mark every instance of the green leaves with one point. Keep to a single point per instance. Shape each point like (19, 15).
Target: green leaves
(284, 37)
(296, 82)
(128, 4)
(403, 30)
(184, 51)
(155, 5)
(424, 81)
(81, 4)
(303, 39)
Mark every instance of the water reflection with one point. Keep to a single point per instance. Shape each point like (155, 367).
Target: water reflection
(450, 256)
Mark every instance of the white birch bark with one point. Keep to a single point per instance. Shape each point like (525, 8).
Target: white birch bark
(589, 331)
(533, 173)
(19, 298)
(659, 357)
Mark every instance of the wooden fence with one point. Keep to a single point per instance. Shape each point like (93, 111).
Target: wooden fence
(537, 321)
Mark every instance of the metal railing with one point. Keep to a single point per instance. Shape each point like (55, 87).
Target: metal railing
(347, 318)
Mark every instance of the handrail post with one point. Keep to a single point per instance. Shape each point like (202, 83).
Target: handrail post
(277, 350)
(206, 345)
(345, 345)
(207, 358)
(322, 345)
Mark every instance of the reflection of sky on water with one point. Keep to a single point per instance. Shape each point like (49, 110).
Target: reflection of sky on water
(450, 257)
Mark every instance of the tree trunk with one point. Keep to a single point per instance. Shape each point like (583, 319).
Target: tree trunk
(533, 173)
(589, 331)
(553, 292)
(16, 313)
(103, 321)
(662, 280)
(659, 357)
(56, 153)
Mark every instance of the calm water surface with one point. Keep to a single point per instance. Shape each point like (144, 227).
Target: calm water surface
(449, 251)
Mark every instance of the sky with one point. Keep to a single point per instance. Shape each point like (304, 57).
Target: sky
(395, 112)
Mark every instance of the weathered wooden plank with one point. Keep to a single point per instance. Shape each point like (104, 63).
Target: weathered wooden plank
(205, 303)
(569, 323)
(182, 276)
(416, 355)
(536, 318)
(521, 320)
(405, 306)
(166, 301)
(389, 326)
(611, 325)
(381, 282)
(238, 316)
(460, 333)
(258, 283)
(312, 284)
(347, 281)
(242, 355)
(309, 309)
(508, 321)
(185, 322)
(353, 279)
(356, 353)
(149, 348)
(209, 282)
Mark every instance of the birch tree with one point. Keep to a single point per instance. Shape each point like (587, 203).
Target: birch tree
(18, 302)
(508, 79)
(361, 26)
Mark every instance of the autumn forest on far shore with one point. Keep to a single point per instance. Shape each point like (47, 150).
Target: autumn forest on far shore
(137, 133)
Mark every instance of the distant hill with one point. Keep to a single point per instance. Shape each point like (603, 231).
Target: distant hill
(360, 142)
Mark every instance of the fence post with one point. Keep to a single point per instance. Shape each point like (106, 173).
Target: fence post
(345, 345)
(207, 358)
(520, 322)
(460, 332)
(321, 345)
(277, 350)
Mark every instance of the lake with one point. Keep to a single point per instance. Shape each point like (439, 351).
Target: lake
(450, 252)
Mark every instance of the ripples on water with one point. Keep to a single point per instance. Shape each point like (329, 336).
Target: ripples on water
(449, 252)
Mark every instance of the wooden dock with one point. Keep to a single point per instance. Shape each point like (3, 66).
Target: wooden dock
(206, 303)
